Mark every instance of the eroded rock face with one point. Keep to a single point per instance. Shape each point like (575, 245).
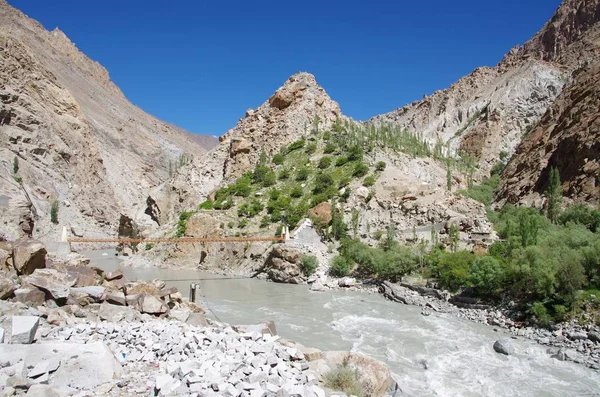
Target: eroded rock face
(568, 138)
(29, 255)
(321, 214)
(53, 282)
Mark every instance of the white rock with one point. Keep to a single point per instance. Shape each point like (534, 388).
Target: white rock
(43, 367)
(23, 329)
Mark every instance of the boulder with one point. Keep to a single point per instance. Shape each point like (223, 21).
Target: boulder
(151, 304)
(114, 313)
(24, 329)
(141, 287)
(95, 292)
(29, 255)
(283, 265)
(321, 214)
(504, 346)
(318, 286)
(594, 336)
(240, 145)
(7, 287)
(44, 366)
(197, 319)
(30, 296)
(6, 262)
(362, 192)
(116, 298)
(347, 282)
(55, 283)
(266, 328)
(110, 276)
(84, 276)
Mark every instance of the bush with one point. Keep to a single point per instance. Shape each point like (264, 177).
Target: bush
(380, 166)
(453, 269)
(274, 194)
(355, 153)
(378, 235)
(487, 274)
(540, 313)
(309, 264)
(341, 161)
(360, 170)
(54, 212)
(327, 135)
(207, 205)
(329, 148)
(582, 214)
(182, 223)
(344, 379)
(340, 266)
(325, 162)
(303, 174)
(284, 174)
(278, 159)
(269, 179)
(296, 145)
(297, 192)
(265, 221)
(250, 209)
(311, 148)
(243, 223)
(369, 181)
(483, 193)
(323, 182)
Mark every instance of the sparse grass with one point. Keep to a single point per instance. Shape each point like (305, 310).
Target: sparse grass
(344, 379)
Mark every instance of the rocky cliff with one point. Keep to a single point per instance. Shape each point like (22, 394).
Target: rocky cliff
(568, 138)
(68, 135)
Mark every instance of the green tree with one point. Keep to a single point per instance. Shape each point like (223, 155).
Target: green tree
(486, 274)
(340, 266)
(355, 222)
(554, 195)
(339, 228)
(454, 269)
(390, 237)
(54, 211)
(454, 235)
(15, 165)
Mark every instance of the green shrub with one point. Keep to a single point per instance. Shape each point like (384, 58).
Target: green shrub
(327, 135)
(360, 170)
(323, 182)
(296, 145)
(340, 266)
(309, 264)
(483, 193)
(284, 174)
(15, 165)
(581, 214)
(344, 379)
(230, 224)
(355, 153)
(378, 235)
(486, 274)
(243, 223)
(344, 181)
(269, 179)
(265, 221)
(498, 168)
(149, 246)
(297, 192)
(325, 162)
(274, 194)
(539, 311)
(250, 208)
(260, 173)
(453, 269)
(380, 166)
(207, 205)
(369, 181)
(329, 148)
(182, 223)
(303, 174)
(54, 212)
(279, 231)
(341, 161)
(278, 159)
(311, 148)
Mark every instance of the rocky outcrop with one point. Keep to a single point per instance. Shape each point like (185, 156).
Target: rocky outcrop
(29, 255)
(568, 138)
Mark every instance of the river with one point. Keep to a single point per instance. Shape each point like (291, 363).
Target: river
(438, 355)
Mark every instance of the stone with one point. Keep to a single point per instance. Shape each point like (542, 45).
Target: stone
(151, 305)
(117, 274)
(116, 298)
(45, 366)
(55, 283)
(30, 296)
(84, 276)
(362, 192)
(197, 319)
(83, 366)
(594, 336)
(39, 390)
(321, 214)
(7, 287)
(141, 287)
(180, 314)
(504, 346)
(24, 329)
(114, 313)
(29, 255)
(96, 292)
(347, 282)
(318, 286)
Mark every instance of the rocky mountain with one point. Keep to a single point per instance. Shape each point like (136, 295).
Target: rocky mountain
(69, 136)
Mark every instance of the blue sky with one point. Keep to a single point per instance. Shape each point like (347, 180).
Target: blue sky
(201, 64)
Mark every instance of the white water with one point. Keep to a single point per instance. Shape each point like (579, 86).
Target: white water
(437, 355)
